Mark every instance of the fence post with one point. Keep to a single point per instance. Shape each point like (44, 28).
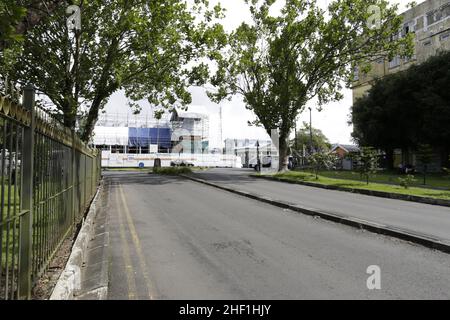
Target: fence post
(26, 222)
(73, 177)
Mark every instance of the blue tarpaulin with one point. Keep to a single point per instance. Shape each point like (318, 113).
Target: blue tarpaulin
(143, 137)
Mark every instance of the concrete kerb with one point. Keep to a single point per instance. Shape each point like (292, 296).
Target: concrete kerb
(69, 282)
(407, 235)
(380, 194)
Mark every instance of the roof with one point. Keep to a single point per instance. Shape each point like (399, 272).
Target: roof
(176, 115)
(346, 147)
(254, 147)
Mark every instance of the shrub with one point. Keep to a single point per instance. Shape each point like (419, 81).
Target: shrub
(171, 170)
(407, 181)
(322, 160)
(367, 162)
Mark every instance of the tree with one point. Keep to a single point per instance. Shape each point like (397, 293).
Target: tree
(321, 160)
(17, 17)
(10, 15)
(406, 109)
(367, 162)
(424, 155)
(319, 141)
(152, 49)
(280, 63)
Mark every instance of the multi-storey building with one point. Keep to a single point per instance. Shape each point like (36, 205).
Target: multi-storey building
(247, 150)
(430, 22)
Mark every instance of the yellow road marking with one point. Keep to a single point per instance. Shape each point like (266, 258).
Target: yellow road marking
(137, 244)
(131, 281)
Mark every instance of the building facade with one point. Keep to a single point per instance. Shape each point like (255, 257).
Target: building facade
(136, 141)
(247, 151)
(430, 22)
(182, 132)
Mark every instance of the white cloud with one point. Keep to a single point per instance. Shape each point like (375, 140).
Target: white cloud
(333, 120)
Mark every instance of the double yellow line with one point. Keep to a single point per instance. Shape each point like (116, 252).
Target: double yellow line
(129, 269)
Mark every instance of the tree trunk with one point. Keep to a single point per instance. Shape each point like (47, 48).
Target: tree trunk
(283, 155)
(69, 109)
(445, 157)
(390, 159)
(91, 120)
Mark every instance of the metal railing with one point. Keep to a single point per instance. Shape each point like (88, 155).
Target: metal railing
(48, 179)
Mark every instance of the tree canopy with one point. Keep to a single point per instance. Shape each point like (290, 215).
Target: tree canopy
(407, 109)
(319, 141)
(17, 17)
(152, 49)
(279, 63)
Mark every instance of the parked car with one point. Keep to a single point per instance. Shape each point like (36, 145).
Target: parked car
(266, 161)
(253, 162)
(181, 163)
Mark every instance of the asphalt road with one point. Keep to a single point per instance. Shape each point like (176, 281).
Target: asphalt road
(176, 239)
(429, 220)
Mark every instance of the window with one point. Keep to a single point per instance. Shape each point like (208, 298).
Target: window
(133, 150)
(356, 74)
(419, 23)
(408, 28)
(409, 59)
(438, 14)
(445, 36)
(427, 43)
(102, 147)
(394, 62)
(117, 149)
(433, 17)
(446, 10)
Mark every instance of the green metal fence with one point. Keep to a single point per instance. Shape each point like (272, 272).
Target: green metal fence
(48, 179)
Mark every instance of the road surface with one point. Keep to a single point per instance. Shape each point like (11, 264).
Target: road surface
(172, 238)
(429, 220)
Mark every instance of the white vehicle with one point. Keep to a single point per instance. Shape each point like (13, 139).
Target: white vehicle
(253, 162)
(8, 159)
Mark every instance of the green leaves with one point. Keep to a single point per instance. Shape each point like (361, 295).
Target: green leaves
(367, 162)
(322, 160)
(11, 13)
(320, 142)
(152, 49)
(406, 109)
(279, 63)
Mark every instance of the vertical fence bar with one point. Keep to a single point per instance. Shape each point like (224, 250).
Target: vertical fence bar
(74, 190)
(26, 221)
(48, 180)
(2, 208)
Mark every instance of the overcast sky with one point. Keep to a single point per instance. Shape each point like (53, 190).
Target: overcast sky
(332, 120)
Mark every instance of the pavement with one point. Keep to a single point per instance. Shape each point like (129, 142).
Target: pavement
(416, 218)
(172, 238)
(95, 268)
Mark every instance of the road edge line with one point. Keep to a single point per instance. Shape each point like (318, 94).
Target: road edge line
(372, 193)
(69, 282)
(373, 227)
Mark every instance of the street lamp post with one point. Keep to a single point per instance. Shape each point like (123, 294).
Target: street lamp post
(310, 132)
(258, 162)
(296, 140)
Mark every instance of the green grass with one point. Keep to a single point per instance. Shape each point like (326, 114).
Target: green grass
(5, 237)
(172, 170)
(439, 181)
(355, 184)
(125, 169)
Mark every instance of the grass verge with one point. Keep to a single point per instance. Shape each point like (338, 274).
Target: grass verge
(173, 171)
(353, 184)
(433, 180)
